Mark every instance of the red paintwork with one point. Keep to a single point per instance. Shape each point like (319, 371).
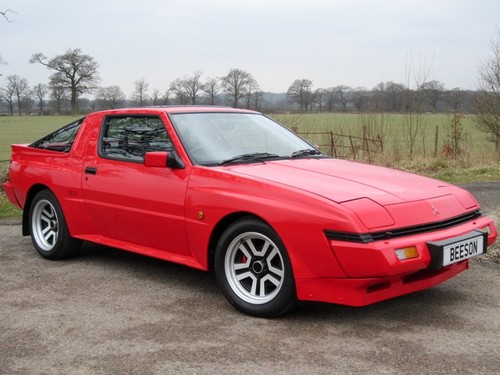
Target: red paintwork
(155, 211)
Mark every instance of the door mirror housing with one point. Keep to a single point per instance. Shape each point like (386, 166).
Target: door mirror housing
(162, 159)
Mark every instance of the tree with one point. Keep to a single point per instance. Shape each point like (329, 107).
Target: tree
(178, 89)
(432, 92)
(16, 87)
(252, 96)
(236, 83)
(73, 70)
(40, 91)
(331, 94)
(140, 91)
(5, 14)
(300, 92)
(112, 96)
(8, 96)
(344, 94)
(319, 95)
(192, 86)
(487, 105)
(211, 88)
(58, 95)
(414, 122)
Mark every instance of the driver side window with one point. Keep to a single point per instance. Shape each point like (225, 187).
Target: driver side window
(128, 138)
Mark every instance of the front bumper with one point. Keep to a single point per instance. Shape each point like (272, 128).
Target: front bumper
(362, 292)
(374, 273)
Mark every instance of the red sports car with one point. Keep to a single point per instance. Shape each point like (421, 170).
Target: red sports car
(234, 191)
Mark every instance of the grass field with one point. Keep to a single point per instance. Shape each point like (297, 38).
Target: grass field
(391, 127)
(26, 129)
(476, 162)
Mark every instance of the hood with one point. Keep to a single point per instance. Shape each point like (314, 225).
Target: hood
(347, 183)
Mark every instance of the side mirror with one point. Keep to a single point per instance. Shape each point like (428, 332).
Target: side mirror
(162, 159)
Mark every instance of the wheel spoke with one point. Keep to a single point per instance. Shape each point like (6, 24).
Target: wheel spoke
(264, 280)
(249, 275)
(245, 252)
(50, 237)
(277, 271)
(47, 214)
(250, 244)
(242, 266)
(44, 231)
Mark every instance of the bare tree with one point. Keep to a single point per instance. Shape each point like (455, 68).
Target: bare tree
(178, 89)
(8, 96)
(331, 95)
(40, 90)
(5, 14)
(156, 97)
(251, 95)
(211, 88)
(359, 98)
(344, 95)
(112, 96)
(432, 91)
(300, 92)
(73, 70)
(140, 91)
(414, 123)
(236, 84)
(455, 99)
(319, 96)
(58, 94)
(19, 88)
(192, 86)
(487, 104)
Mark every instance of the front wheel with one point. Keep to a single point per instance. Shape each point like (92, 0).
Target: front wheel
(49, 232)
(253, 269)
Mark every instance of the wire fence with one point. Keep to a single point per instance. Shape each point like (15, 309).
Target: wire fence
(345, 146)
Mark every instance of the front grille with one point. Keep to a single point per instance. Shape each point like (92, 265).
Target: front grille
(401, 232)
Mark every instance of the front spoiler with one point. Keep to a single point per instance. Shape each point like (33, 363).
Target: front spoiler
(362, 292)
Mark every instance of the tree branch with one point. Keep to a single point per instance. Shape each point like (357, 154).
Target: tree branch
(5, 14)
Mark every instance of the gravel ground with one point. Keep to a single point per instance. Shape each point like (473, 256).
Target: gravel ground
(112, 312)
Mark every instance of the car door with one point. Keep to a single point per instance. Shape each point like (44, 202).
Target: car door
(131, 204)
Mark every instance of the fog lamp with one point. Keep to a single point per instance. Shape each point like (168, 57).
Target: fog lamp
(407, 253)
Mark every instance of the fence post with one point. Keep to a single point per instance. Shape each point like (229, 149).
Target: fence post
(353, 148)
(333, 150)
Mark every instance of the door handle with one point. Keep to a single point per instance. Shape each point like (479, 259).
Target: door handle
(91, 170)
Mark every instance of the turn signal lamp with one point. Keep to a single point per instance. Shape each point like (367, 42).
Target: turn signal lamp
(407, 253)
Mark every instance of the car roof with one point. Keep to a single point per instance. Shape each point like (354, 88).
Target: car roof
(175, 109)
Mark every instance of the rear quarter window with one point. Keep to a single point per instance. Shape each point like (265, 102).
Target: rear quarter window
(60, 140)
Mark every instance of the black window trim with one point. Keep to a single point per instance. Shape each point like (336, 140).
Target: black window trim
(125, 115)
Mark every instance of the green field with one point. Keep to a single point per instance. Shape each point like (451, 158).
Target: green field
(476, 161)
(26, 129)
(391, 127)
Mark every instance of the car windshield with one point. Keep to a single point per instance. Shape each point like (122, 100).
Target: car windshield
(227, 138)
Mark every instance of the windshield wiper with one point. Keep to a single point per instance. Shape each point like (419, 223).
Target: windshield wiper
(256, 156)
(306, 152)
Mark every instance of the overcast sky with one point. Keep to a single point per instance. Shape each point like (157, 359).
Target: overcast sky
(331, 42)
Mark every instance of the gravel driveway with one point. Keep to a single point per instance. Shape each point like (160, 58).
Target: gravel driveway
(112, 312)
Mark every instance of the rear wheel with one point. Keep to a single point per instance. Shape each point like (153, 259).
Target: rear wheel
(253, 269)
(49, 232)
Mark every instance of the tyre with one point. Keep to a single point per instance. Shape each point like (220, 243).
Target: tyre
(253, 269)
(49, 232)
